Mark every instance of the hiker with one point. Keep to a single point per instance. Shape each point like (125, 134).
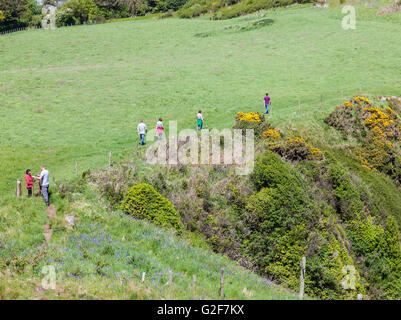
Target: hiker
(159, 129)
(199, 120)
(142, 132)
(267, 103)
(29, 182)
(44, 183)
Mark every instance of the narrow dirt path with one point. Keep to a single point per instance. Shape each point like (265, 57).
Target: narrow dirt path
(47, 231)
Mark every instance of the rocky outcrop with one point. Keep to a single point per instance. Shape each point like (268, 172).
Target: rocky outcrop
(49, 19)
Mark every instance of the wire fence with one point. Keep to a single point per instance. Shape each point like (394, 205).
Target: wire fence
(40, 27)
(20, 29)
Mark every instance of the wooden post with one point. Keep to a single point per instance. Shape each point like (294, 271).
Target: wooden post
(359, 296)
(143, 276)
(321, 100)
(76, 168)
(221, 283)
(170, 277)
(109, 159)
(18, 191)
(342, 95)
(137, 149)
(302, 279)
(194, 283)
(360, 91)
(299, 105)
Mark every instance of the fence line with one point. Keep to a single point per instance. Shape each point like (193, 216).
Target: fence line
(40, 27)
(20, 29)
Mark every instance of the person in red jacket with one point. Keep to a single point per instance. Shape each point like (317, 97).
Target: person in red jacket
(29, 182)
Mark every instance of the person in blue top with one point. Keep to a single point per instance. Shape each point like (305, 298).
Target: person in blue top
(267, 103)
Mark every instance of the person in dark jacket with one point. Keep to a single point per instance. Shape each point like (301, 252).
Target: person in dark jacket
(29, 182)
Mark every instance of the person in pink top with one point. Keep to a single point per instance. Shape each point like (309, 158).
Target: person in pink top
(199, 120)
(159, 129)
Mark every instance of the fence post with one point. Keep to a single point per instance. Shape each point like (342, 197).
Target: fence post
(302, 278)
(221, 283)
(342, 95)
(137, 149)
(18, 191)
(170, 277)
(109, 159)
(76, 168)
(299, 105)
(194, 284)
(143, 276)
(321, 100)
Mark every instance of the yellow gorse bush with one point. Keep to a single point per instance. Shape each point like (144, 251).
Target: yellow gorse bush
(250, 116)
(296, 148)
(271, 133)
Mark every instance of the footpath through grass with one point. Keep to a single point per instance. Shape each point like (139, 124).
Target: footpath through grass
(75, 93)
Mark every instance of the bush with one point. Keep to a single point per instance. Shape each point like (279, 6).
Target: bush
(143, 202)
(65, 17)
(377, 129)
(252, 120)
(347, 197)
(277, 219)
(249, 6)
(380, 248)
(296, 149)
(77, 12)
(270, 171)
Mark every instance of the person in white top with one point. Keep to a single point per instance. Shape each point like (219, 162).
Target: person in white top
(199, 121)
(142, 132)
(44, 183)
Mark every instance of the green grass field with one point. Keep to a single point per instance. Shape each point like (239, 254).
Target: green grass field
(74, 94)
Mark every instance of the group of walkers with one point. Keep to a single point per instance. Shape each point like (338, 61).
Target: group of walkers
(142, 129)
(43, 178)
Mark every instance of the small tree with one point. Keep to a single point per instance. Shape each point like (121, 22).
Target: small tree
(81, 9)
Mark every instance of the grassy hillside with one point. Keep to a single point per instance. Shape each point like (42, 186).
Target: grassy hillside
(325, 183)
(105, 254)
(76, 93)
(336, 204)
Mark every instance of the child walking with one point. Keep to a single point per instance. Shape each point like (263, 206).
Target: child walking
(159, 129)
(199, 120)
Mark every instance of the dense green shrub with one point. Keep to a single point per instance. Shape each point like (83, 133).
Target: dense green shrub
(348, 200)
(296, 149)
(227, 9)
(270, 171)
(277, 219)
(143, 202)
(380, 248)
(65, 17)
(19, 13)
